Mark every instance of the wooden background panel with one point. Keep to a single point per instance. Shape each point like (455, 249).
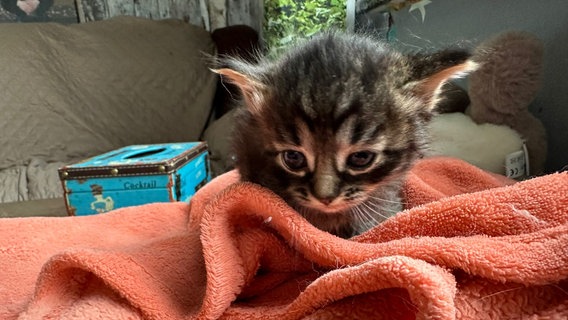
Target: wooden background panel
(209, 14)
(93, 10)
(248, 12)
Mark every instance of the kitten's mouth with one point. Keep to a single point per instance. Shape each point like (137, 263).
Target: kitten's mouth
(334, 207)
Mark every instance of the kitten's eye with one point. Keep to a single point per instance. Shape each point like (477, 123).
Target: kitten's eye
(294, 160)
(360, 160)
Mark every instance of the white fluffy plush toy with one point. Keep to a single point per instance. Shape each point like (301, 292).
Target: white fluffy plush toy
(506, 83)
(497, 121)
(484, 145)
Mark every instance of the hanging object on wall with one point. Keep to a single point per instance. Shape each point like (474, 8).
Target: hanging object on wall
(420, 6)
(62, 11)
(376, 15)
(28, 10)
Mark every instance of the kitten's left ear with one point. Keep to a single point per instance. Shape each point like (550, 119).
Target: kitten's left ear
(250, 88)
(430, 73)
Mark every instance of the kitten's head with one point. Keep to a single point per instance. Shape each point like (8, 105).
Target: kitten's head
(335, 119)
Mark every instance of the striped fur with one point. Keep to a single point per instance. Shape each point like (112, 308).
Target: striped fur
(336, 98)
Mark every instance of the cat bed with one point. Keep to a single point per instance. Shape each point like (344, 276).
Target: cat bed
(237, 251)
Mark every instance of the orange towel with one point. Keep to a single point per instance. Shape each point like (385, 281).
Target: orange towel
(462, 251)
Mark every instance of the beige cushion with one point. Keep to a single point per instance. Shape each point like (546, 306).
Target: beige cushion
(69, 92)
(218, 137)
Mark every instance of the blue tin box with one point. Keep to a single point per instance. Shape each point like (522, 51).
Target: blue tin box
(135, 175)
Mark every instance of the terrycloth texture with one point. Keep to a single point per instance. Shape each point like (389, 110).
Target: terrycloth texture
(238, 252)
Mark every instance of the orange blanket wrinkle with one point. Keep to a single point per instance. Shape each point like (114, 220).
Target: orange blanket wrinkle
(470, 245)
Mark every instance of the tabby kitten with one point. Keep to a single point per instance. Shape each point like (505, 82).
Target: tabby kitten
(333, 125)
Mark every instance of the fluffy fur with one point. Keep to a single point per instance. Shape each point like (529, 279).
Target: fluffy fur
(333, 125)
(504, 85)
(484, 145)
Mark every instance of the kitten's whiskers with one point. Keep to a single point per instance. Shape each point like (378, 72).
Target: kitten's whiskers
(366, 218)
(377, 212)
(378, 208)
(387, 201)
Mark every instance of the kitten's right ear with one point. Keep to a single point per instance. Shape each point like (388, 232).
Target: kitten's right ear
(251, 89)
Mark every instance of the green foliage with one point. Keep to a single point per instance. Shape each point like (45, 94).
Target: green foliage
(286, 21)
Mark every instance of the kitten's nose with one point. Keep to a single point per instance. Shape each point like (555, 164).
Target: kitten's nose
(325, 188)
(326, 201)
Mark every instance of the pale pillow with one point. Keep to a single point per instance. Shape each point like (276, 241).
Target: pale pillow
(483, 145)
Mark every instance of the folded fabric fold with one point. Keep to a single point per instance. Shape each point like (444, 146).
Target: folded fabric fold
(471, 245)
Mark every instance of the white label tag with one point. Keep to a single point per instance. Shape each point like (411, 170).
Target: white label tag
(527, 163)
(515, 164)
